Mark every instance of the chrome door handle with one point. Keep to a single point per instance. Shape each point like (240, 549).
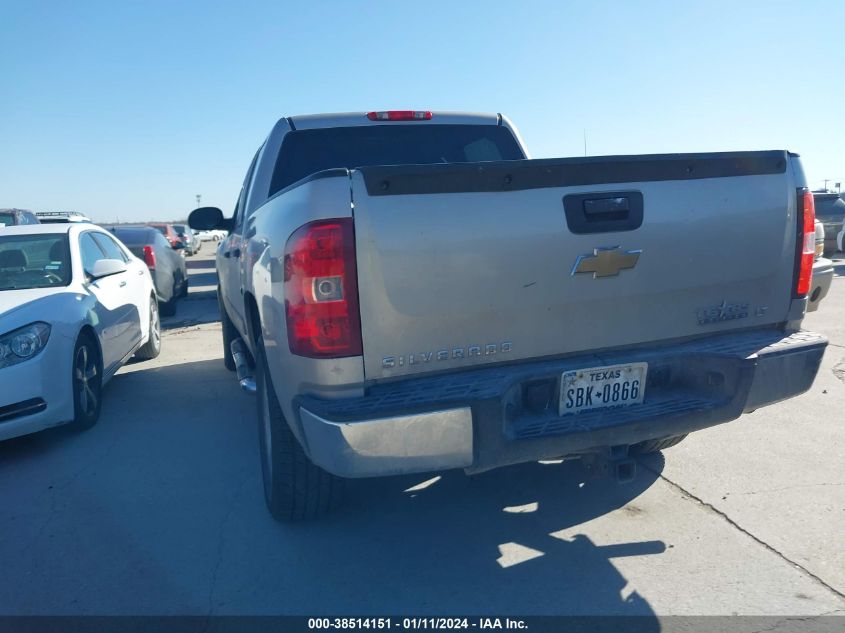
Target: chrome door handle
(122, 283)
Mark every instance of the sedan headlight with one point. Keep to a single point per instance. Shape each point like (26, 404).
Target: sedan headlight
(24, 343)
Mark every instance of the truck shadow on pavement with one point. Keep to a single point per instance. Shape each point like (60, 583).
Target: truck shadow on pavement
(507, 541)
(179, 497)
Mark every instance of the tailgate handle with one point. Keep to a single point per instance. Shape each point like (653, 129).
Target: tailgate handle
(603, 211)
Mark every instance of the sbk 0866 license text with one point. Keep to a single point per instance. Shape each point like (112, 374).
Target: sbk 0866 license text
(413, 623)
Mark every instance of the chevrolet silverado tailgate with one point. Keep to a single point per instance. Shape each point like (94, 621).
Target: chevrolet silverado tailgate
(480, 263)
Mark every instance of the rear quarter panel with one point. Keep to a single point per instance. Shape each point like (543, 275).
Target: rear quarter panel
(267, 231)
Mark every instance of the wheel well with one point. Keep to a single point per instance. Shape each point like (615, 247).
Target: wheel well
(88, 331)
(253, 321)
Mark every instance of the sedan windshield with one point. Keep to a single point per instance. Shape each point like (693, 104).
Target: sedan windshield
(34, 261)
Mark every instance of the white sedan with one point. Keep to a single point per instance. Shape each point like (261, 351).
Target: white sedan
(75, 305)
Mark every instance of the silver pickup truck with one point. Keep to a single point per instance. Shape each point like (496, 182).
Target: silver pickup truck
(409, 292)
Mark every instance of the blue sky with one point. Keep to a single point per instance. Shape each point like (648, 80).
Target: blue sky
(129, 109)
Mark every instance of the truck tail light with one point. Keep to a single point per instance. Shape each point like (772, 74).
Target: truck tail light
(321, 290)
(400, 115)
(149, 257)
(806, 241)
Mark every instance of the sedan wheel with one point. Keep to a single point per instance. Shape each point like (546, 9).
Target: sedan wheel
(87, 382)
(152, 347)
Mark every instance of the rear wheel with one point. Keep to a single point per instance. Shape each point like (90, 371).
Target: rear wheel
(168, 308)
(87, 381)
(294, 487)
(657, 445)
(152, 347)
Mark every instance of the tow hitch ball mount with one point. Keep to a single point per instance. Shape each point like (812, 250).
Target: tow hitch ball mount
(612, 463)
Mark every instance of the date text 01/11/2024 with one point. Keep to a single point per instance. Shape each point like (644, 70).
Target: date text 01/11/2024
(412, 623)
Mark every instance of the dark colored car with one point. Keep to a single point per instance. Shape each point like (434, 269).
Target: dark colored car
(14, 217)
(830, 211)
(189, 239)
(169, 234)
(167, 266)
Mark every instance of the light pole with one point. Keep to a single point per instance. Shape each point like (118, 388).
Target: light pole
(199, 197)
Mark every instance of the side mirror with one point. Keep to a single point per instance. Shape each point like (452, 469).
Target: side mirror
(178, 246)
(208, 219)
(107, 267)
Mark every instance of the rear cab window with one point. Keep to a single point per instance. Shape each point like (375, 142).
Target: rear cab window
(306, 152)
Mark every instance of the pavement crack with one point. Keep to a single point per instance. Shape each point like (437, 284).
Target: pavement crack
(58, 489)
(793, 619)
(755, 538)
(220, 544)
(839, 371)
(757, 492)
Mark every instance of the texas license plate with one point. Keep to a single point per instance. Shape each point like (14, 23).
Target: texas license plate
(601, 387)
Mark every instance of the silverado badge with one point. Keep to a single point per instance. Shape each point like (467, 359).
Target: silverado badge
(606, 261)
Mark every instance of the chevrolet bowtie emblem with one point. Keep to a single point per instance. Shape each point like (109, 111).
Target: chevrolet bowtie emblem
(605, 262)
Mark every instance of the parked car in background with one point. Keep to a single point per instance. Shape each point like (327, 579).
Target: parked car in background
(167, 266)
(840, 238)
(211, 236)
(830, 211)
(189, 239)
(822, 272)
(61, 217)
(75, 305)
(14, 217)
(170, 234)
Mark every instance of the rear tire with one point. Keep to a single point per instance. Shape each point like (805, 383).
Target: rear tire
(294, 487)
(87, 382)
(152, 348)
(168, 308)
(229, 334)
(656, 445)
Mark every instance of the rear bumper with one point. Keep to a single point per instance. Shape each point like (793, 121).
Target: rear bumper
(482, 419)
(820, 284)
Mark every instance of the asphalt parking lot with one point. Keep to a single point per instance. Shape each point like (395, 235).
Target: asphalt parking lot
(159, 510)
